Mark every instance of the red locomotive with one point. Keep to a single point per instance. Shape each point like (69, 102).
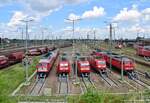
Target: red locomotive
(98, 63)
(143, 51)
(83, 67)
(3, 61)
(63, 67)
(118, 61)
(45, 64)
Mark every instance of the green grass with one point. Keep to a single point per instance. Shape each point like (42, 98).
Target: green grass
(92, 96)
(10, 78)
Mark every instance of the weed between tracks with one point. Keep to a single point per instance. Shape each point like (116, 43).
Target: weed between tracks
(92, 96)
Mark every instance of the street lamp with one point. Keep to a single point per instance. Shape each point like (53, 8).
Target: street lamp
(20, 28)
(27, 35)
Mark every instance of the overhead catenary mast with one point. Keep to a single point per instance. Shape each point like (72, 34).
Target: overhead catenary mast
(73, 31)
(26, 47)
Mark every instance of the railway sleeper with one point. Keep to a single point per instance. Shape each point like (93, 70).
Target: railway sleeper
(147, 75)
(103, 73)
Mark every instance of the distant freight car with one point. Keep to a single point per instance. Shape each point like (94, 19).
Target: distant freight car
(16, 57)
(43, 50)
(3, 61)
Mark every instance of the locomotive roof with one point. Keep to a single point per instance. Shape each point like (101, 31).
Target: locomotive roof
(47, 55)
(124, 58)
(44, 61)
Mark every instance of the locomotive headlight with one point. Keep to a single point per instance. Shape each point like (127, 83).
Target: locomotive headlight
(99, 66)
(40, 69)
(63, 68)
(44, 69)
(84, 68)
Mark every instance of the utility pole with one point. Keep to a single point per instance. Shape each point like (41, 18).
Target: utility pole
(2, 41)
(22, 35)
(114, 35)
(21, 29)
(42, 37)
(122, 68)
(26, 47)
(73, 25)
(110, 45)
(94, 37)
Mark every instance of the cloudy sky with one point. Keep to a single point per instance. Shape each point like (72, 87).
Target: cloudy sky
(129, 17)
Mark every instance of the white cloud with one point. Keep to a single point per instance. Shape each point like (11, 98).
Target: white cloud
(15, 20)
(96, 12)
(146, 14)
(74, 1)
(146, 11)
(43, 5)
(73, 16)
(128, 15)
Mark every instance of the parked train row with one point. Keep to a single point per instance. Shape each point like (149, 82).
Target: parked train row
(64, 66)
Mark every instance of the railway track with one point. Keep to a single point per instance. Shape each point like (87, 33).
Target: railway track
(37, 87)
(110, 82)
(63, 87)
(146, 75)
(140, 81)
(86, 83)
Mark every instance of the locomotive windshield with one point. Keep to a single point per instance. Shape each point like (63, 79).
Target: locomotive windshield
(127, 62)
(42, 64)
(84, 64)
(101, 62)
